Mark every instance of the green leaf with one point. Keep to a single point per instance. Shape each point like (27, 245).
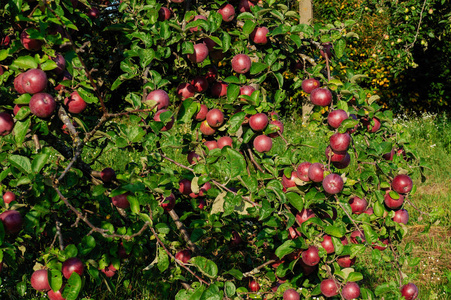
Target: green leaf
(235, 273)
(233, 91)
(39, 162)
(335, 231)
(286, 248)
(55, 279)
(235, 122)
(4, 54)
(206, 266)
(257, 67)
(339, 47)
(21, 129)
(354, 276)
(279, 78)
(163, 260)
(73, 287)
(226, 41)
(229, 288)
(21, 162)
(48, 65)
(134, 204)
(249, 26)
(236, 162)
(188, 109)
(87, 244)
(232, 79)
(70, 251)
(87, 95)
(296, 200)
(25, 62)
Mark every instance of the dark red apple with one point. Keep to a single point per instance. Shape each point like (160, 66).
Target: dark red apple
(401, 216)
(34, 81)
(185, 91)
(202, 114)
(278, 124)
(393, 203)
(316, 172)
(9, 197)
(262, 143)
(254, 286)
(202, 204)
(12, 221)
(200, 53)
(65, 76)
(289, 182)
(168, 203)
(197, 28)
(212, 73)
(29, 43)
(225, 141)
(372, 128)
(326, 50)
(75, 103)
(200, 84)
(329, 287)
(409, 291)
(227, 11)
(358, 205)
(184, 256)
(6, 123)
(307, 270)
(381, 241)
(40, 281)
(60, 64)
(58, 295)
(241, 63)
(327, 244)
(335, 156)
(258, 122)
(357, 237)
(321, 97)
(236, 239)
(109, 271)
(168, 125)
(308, 85)
(206, 129)
(291, 294)
(259, 35)
(304, 215)
(311, 256)
(369, 211)
(185, 186)
(339, 142)
(245, 5)
(121, 201)
(345, 261)
(215, 118)
(193, 157)
(302, 170)
(93, 13)
(16, 109)
(333, 184)
(344, 163)
(402, 184)
(107, 175)
(204, 189)
(159, 98)
(164, 14)
(351, 291)
(247, 90)
(219, 89)
(389, 155)
(335, 117)
(42, 105)
(211, 145)
(18, 86)
(71, 265)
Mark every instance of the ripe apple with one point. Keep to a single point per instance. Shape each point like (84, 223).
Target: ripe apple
(159, 98)
(355, 235)
(200, 53)
(75, 103)
(40, 281)
(93, 13)
(65, 76)
(389, 155)
(215, 118)
(262, 143)
(200, 84)
(302, 170)
(291, 294)
(34, 81)
(351, 291)
(6, 123)
(204, 189)
(184, 256)
(247, 90)
(345, 261)
(60, 64)
(29, 43)
(304, 215)
(58, 295)
(278, 124)
(241, 63)
(185, 186)
(321, 97)
(227, 11)
(168, 203)
(333, 184)
(209, 43)
(164, 14)
(308, 85)
(259, 35)
(402, 184)
(401, 216)
(12, 221)
(121, 201)
(206, 129)
(219, 89)
(71, 265)
(157, 118)
(381, 248)
(5, 41)
(18, 86)
(326, 50)
(358, 205)
(212, 74)
(335, 117)
(393, 203)
(16, 109)
(409, 291)
(287, 183)
(197, 28)
(202, 204)
(329, 287)
(9, 197)
(225, 141)
(254, 286)
(311, 256)
(335, 156)
(339, 142)
(245, 5)
(185, 91)
(344, 163)
(327, 244)
(372, 128)
(369, 211)
(109, 271)
(258, 122)
(316, 172)
(193, 157)
(107, 175)
(42, 105)
(202, 114)
(211, 145)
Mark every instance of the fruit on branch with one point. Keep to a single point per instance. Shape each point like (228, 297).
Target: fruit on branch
(29, 43)
(358, 205)
(259, 35)
(39, 280)
(236, 239)
(258, 122)
(327, 244)
(336, 117)
(302, 170)
(197, 28)
(311, 256)
(401, 216)
(308, 85)
(326, 50)
(212, 73)
(12, 221)
(333, 184)
(345, 261)
(204, 189)
(18, 84)
(185, 91)
(392, 202)
(254, 286)
(339, 142)
(109, 271)
(227, 11)
(215, 118)
(93, 13)
(344, 163)
(121, 252)
(241, 63)
(202, 204)
(381, 248)
(9, 197)
(16, 109)
(289, 182)
(169, 124)
(193, 157)
(209, 43)
(262, 143)
(168, 203)
(121, 201)
(402, 184)
(304, 215)
(200, 53)
(355, 235)
(372, 128)
(219, 89)
(71, 265)
(184, 256)
(6, 123)
(278, 124)
(369, 211)
(75, 103)
(211, 145)
(206, 129)
(58, 295)
(66, 76)
(351, 291)
(202, 114)
(409, 291)
(107, 175)
(291, 294)
(200, 84)
(159, 98)
(335, 156)
(316, 172)
(321, 97)
(164, 14)
(185, 186)
(329, 287)
(60, 64)
(245, 5)
(34, 81)
(247, 90)
(42, 105)
(225, 141)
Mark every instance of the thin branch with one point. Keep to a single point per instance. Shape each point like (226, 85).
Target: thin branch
(59, 234)
(257, 269)
(349, 216)
(251, 156)
(418, 27)
(181, 227)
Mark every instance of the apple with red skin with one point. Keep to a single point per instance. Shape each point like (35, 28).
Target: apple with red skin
(215, 118)
(289, 182)
(278, 124)
(34, 81)
(308, 85)
(311, 256)
(164, 14)
(345, 261)
(327, 244)
(358, 205)
(121, 201)
(107, 175)
(197, 28)
(168, 125)
(71, 265)
(254, 286)
(209, 43)
(236, 239)
(58, 295)
(326, 50)
(307, 270)
(241, 63)
(5, 41)
(321, 97)
(247, 90)
(168, 203)
(16, 109)
(339, 142)
(9, 197)
(185, 91)
(259, 35)
(185, 186)
(381, 248)
(204, 189)
(344, 163)
(409, 291)
(42, 105)
(12, 221)
(245, 5)
(159, 98)
(65, 76)
(393, 203)
(193, 157)
(211, 145)
(302, 170)
(277, 262)
(174, 1)
(202, 114)
(372, 128)
(93, 13)
(206, 129)
(200, 84)
(401, 216)
(351, 291)
(18, 84)
(262, 143)
(200, 53)
(227, 11)
(333, 184)
(6, 123)
(29, 43)
(225, 141)
(304, 215)
(329, 287)
(369, 211)
(75, 103)
(402, 184)
(121, 251)
(293, 233)
(357, 234)
(291, 294)
(335, 156)
(389, 155)
(109, 271)
(336, 117)
(316, 172)
(212, 74)
(258, 122)
(202, 204)
(219, 89)
(40, 281)
(184, 256)
(60, 64)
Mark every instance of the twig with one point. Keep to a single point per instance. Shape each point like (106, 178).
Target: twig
(418, 27)
(59, 234)
(349, 216)
(283, 139)
(395, 254)
(251, 156)
(37, 144)
(257, 269)
(181, 227)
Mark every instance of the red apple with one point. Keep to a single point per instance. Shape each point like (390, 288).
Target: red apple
(241, 63)
(259, 35)
(159, 98)
(308, 85)
(247, 90)
(109, 271)
(409, 291)
(372, 128)
(202, 114)
(202, 204)
(200, 84)
(344, 163)
(6, 123)
(351, 291)
(107, 175)
(34, 81)
(291, 294)
(356, 235)
(225, 141)
(358, 205)
(121, 201)
(29, 43)
(258, 122)
(402, 184)
(12, 221)
(168, 203)
(329, 287)
(333, 184)
(335, 117)
(245, 5)
(72, 265)
(42, 105)
(219, 89)
(381, 248)
(66, 76)
(369, 211)
(200, 53)
(16, 109)
(326, 50)
(304, 215)
(401, 216)
(227, 11)
(311, 256)
(393, 203)
(345, 261)
(316, 172)
(204, 189)
(75, 103)
(193, 157)
(197, 28)
(58, 295)
(18, 86)
(211, 145)
(254, 286)
(168, 125)
(60, 64)
(215, 118)
(327, 244)
(206, 129)
(185, 186)
(339, 142)
(40, 281)
(321, 97)
(335, 156)
(164, 14)
(212, 74)
(302, 170)
(262, 143)
(9, 197)
(184, 256)
(185, 91)
(93, 13)
(278, 124)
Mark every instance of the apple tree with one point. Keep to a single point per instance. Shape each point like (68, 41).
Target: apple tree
(144, 153)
